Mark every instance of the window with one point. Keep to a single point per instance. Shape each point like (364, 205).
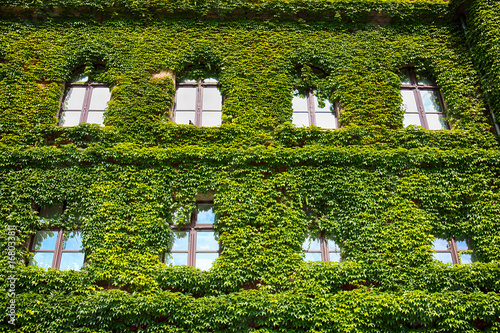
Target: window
(198, 103)
(422, 101)
(453, 251)
(321, 248)
(307, 111)
(56, 248)
(84, 102)
(196, 244)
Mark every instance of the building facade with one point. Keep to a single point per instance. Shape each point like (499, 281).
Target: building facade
(242, 166)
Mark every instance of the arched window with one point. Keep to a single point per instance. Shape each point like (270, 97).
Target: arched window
(308, 111)
(198, 102)
(422, 101)
(84, 102)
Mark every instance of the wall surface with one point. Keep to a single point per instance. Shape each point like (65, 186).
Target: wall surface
(381, 190)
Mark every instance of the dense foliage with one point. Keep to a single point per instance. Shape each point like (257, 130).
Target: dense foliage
(382, 191)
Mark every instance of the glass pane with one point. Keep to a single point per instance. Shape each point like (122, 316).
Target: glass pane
(51, 212)
(409, 103)
(70, 118)
(72, 261)
(80, 78)
(211, 118)
(100, 98)
(327, 106)
(443, 257)
(299, 103)
(423, 80)
(184, 117)
(205, 241)
(466, 258)
(430, 98)
(462, 246)
(72, 240)
(186, 99)
(440, 244)
(43, 260)
(411, 119)
(313, 256)
(74, 98)
(181, 241)
(204, 260)
(435, 121)
(335, 256)
(311, 244)
(300, 119)
(45, 240)
(405, 77)
(332, 246)
(325, 120)
(206, 213)
(176, 258)
(212, 99)
(95, 117)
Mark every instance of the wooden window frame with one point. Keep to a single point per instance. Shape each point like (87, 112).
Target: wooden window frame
(324, 248)
(455, 257)
(193, 228)
(416, 89)
(89, 87)
(311, 111)
(200, 86)
(58, 250)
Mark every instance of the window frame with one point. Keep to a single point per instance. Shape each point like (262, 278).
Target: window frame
(58, 250)
(193, 228)
(416, 89)
(311, 110)
(455, 253)
(200, 86)
(89, 86)
(324, 248)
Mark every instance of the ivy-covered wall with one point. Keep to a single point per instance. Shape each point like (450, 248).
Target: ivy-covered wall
(383, 191)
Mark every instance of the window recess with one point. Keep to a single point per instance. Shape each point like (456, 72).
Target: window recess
(321, 248)
(195, 244)
(454, 251)
(308, 110)
(422, 102)
(84, 102)
(198, 102)
(56, 247)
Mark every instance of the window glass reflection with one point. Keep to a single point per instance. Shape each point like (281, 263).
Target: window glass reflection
(211, 118)
(95, 117)
(444, 257)
(72, 240)
(74, 98)
(42, 259)
(206, 214)
(45, 240)
(313, 256)
(100, 98)
(430, 99)
(206, 241)
(186, 99)
(300, 119)
(441, 244)
(409, 103)
(212, 99)
(311, 244)
(70, 118)
(326, 120)
(204, 261)
(72, 260)
(299, 103)
(181, 241)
